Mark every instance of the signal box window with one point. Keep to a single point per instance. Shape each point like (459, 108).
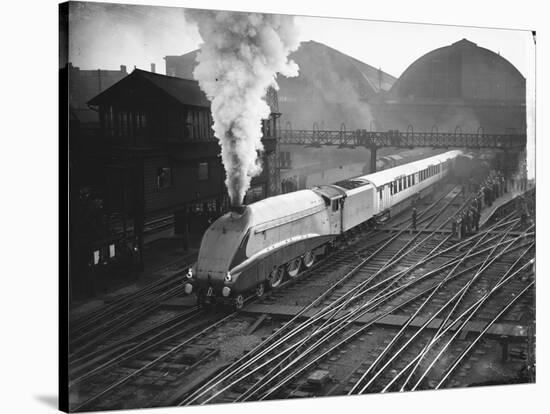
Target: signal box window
(203, 171)
(164, 178)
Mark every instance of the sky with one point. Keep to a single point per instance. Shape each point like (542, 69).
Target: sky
(105, 36)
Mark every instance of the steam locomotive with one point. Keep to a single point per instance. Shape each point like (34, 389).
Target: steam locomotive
(255, 247)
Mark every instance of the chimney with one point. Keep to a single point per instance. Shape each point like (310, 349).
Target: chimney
(237, 210)
(153, 69)
(123, 68)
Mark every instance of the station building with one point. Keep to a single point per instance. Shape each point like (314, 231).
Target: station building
(331, 92)
(461, 87)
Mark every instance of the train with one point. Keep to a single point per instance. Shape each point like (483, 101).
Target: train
(255, 247)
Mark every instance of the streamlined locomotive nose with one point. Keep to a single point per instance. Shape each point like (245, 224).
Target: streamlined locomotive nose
(219, 245)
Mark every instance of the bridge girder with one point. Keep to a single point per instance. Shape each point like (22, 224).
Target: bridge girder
(371, 140)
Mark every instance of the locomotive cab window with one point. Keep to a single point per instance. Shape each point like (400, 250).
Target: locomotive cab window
(335, 205)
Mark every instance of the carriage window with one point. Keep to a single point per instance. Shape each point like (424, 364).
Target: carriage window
(334, 205)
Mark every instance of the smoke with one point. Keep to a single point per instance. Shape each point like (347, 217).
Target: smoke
(239, 59)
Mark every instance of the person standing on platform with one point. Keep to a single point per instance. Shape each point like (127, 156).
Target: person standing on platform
(453, 228)
(475, 219)
(462, 226)
(487, 192)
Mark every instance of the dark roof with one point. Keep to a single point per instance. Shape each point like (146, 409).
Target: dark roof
(185, 91)
(460, 65)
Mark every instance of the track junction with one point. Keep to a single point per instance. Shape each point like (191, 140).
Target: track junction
(393, 308)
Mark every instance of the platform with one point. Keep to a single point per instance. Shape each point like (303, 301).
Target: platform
(510, 330)
(488, 212)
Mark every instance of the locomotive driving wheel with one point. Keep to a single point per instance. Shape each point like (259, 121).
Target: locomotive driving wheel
(293, 268)
(239, 301)
(275, 277)
(260, 290)
(308, 259)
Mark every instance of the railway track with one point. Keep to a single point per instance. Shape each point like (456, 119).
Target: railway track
(93, 328)
(286, 365)
(341, 316)
(89, 368)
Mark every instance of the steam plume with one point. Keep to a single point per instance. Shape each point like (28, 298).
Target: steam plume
(238, 61)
